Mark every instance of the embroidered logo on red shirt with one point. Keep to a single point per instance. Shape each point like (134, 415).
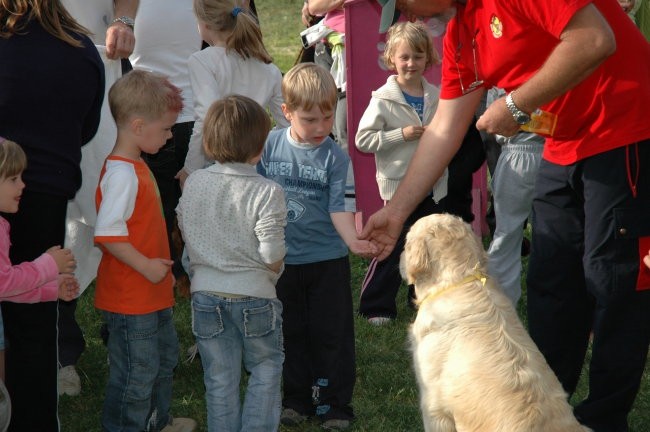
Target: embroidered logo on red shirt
(496, 26)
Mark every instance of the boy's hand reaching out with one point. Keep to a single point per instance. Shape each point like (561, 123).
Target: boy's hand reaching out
(68, 287)
(363, 248)
(646, 260)
(64, 259)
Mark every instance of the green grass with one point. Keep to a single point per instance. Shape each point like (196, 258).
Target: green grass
(385, 397)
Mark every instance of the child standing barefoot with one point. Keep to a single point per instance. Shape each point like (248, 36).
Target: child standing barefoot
(232, 220)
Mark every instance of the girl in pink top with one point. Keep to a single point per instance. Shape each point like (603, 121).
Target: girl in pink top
(46, 278)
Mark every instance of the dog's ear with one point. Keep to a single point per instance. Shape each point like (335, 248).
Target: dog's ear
(416, 260)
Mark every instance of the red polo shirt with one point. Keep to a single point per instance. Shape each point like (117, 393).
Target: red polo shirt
(512, 41)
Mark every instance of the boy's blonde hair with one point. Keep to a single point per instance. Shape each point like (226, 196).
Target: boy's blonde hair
(307, 85)
(143, 94)
(415, 34)
(229, 16)
(235, 129)
(13, 159)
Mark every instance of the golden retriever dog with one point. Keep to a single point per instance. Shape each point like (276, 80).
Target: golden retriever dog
(477, 368)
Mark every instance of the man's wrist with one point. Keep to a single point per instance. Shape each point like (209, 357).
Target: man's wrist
(396, 211)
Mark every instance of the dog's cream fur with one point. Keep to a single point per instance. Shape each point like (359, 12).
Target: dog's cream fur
(477, 368)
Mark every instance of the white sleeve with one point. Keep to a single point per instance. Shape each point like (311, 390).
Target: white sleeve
(275, 104)
(373, 134)
(205, 89)
(269, 229)
(119, 188)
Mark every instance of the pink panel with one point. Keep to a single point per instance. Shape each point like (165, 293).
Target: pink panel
(365, 73)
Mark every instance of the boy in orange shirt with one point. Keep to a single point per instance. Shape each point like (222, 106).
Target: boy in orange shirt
(134, 283)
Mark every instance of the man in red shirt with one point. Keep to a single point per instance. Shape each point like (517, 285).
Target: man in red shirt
(580, 68)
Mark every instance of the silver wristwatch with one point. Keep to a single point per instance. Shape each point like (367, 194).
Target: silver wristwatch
(520, 117)
(128, 21)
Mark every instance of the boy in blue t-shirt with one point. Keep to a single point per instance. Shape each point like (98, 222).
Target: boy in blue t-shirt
(319, 366)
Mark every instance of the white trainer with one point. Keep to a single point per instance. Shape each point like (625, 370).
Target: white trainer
(379, 320)
(69, 381)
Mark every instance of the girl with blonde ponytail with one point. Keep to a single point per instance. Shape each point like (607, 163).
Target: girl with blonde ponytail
(235, 63)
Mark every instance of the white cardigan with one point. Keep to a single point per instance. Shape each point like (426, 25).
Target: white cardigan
(380, 132)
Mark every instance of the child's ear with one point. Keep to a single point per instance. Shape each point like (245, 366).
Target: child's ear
(286, 112)
(136, 126)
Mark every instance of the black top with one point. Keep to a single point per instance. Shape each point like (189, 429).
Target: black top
(51, 96)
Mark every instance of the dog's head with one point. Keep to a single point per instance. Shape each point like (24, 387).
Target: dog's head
(441, 248)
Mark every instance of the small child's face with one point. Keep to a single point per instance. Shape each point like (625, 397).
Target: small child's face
(155, 133)
(11, 189)
(309, 126)
(409, 64)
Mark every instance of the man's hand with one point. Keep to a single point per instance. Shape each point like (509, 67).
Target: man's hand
(383, 230)
(120, 41)
(497, 119)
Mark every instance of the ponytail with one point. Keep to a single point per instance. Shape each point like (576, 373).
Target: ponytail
(245, 35)
(246, 38)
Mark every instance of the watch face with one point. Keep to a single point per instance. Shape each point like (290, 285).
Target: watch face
(523, 118)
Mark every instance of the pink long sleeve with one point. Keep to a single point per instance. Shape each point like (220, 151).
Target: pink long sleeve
(28, 282)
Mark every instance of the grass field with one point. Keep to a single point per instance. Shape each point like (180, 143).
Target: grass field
(385, 398)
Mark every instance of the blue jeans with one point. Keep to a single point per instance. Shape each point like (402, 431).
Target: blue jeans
(229, 330)
(143, 352)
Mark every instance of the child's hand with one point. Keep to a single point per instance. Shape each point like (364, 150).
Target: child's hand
(363, 248)
(64, 259)
(411, 133)
(68, 287)
(646, 260)
(156, 269)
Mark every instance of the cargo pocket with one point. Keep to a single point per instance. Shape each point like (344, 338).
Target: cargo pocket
(634, 225)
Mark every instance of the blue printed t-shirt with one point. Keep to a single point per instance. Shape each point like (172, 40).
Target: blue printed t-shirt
(313, 179)
(417, 102)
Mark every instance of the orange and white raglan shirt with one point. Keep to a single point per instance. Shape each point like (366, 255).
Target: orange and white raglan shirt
(129, 210)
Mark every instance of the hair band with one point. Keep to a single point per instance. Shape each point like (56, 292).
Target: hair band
(235, 11)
